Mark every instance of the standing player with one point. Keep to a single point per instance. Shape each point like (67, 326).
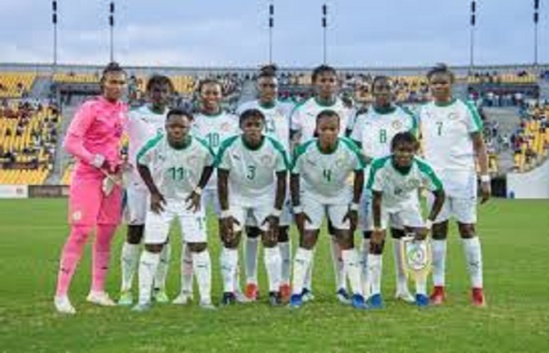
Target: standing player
(94, 138)
(175, 168)
(373, 131)
(213, 125)
(319, 188)
(452, 144)
(277, 126)
(252, 173)
(394, 182)
(303, 125)
(144, 123)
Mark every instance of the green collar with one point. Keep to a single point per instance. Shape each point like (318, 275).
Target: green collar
(324, 103)
(401, 170)
(268, 105)
(256, 148)
(445, 104)
(188, 141)
(384, 110)
(212, 115)
(329, 152)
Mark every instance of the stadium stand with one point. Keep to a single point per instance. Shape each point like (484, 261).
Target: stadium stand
(15, 84)
(531, 139)
(28, 135)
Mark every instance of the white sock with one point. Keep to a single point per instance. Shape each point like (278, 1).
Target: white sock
(162, 269)
(473, 256)
(439, 262)
(302, 262)
(273, 264)
(285, 255)
(365, 250)
(186, 270)
(308, 281)
(339, 269)
(229, 263)
(401, 279)
(147, 268)
(421, 285)
(128, 262)
(375, 264)
(252, 244)
(203, 269)
(352, 268)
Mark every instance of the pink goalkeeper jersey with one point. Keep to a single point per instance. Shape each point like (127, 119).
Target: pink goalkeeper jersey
(96, 128)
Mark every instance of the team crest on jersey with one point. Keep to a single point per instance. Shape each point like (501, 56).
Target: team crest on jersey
(192, 161)
(413, 184)
(225, 127)
(340, 163)
(76, 216)
(397, 125)
(452, 116)
(266, 160)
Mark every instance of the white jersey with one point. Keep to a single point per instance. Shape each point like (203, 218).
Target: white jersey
(446, 132)
(375, 129)
(303, 119)
(324, 176)
(277, 119)
(214, 129)
(143, 125)
(400, 188)
(176, 172)
(252, 173)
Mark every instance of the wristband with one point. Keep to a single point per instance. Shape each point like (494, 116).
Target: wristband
(428, 224)
(276, 212)
(485, 178)
(354, 206)
(198, 190)
(98, 160)
(298, 209)
(225, 214)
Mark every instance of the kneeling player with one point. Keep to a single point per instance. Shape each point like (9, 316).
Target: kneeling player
(319, 188)
(394, 181)
(252, 172)
(175, 168)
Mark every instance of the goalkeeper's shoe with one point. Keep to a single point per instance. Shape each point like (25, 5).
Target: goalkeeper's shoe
(100, 298)
(63, 305)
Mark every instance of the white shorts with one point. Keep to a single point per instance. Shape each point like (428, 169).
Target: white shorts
(137, 204)
(409, 215)
(252, 215)
(317, 210)
(211, 197)
(464, 210)
(286, 217)
(193, 225)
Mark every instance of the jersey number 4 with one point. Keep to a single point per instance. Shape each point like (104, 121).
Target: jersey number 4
(327, 174)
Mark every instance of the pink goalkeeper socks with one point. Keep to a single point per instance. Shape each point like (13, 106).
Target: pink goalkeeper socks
(101, 256)
(72, 251)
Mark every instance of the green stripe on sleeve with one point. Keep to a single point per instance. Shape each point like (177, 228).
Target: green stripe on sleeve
(474, 113)
(149, 146)
(280, 149)
(376, 166)
(355, 149)
(223, 148)
(430, 173)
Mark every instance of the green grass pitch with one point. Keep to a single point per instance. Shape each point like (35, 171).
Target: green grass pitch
(515, 238)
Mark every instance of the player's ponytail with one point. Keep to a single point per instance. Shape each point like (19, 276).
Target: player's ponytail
(112, 67)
